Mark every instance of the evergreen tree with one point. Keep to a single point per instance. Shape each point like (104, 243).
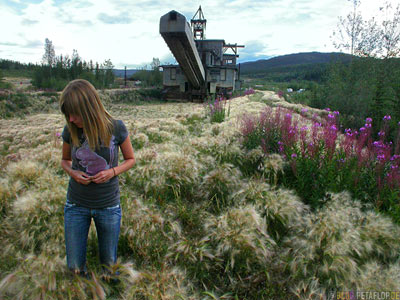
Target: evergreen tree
(49, 55)
(108, 75)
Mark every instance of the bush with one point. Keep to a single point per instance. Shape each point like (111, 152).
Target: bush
(3, 84)
(151, 93)
(321, 160)
(139, 141)
(20, 104)
(149, 78)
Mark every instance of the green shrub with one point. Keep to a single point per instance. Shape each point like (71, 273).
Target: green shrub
(139, 140)
(218, 185)
(150, 93)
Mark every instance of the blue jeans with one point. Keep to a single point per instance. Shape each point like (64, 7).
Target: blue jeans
(77, 221)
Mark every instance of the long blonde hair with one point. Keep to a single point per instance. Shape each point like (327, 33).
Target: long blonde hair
(80, 98)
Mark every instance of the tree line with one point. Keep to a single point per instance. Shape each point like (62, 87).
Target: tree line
(56, 71)
(369, 84)
(150, 77)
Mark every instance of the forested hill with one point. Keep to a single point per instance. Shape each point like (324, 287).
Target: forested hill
(292, 60)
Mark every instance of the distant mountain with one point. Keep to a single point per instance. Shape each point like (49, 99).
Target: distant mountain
(291, 60)
(121, 72)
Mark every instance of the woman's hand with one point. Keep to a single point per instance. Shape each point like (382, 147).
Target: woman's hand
(78, 176)
(103, 176)
(81, 177)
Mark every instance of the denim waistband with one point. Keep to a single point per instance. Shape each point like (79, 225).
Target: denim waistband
(68, 203)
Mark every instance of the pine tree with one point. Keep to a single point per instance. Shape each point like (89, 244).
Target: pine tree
(49, 55)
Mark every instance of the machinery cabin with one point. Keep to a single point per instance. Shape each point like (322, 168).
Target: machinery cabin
(204, 66)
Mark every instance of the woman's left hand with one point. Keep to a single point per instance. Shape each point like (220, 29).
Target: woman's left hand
(103, 176)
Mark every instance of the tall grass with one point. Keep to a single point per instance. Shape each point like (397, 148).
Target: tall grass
(331, 248)
(208, 211)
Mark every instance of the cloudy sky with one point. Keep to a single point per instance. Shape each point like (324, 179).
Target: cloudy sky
(127, 31)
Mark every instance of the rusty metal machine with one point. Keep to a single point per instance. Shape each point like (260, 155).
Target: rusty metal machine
(204, 67)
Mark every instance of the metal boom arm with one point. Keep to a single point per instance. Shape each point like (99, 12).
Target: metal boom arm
(177, 34)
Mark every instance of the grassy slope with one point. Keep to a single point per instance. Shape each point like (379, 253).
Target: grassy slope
(196, 224)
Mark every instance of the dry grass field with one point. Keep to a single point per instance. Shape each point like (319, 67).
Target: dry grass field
(195, 224)
(18, 83)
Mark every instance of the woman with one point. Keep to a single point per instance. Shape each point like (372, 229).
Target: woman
(90, 157)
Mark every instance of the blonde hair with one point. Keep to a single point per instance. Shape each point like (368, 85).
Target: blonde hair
(80, 98)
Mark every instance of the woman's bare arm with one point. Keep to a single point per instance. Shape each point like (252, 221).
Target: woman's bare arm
(129, 161)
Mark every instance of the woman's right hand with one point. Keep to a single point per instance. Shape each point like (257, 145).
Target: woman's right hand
(81, 177)
(66, 164)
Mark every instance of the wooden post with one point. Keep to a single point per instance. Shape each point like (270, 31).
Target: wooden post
(125, 77)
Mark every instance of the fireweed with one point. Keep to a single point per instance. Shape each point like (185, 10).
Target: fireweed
(249, 91)
(321, 159)
(217, 110)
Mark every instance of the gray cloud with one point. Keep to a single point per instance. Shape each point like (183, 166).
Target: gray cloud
(304, 17)
(33, 44)
(19, 6)
(60, 2)
(83, 4)
(122, 18)
(67, 16)
(238, 8)
(27, 44)
(85, 23)
(8, 44)
(143, 4)
(253, 50)
(72, 4)
(29, 22)
(168, 59)
(296, 18)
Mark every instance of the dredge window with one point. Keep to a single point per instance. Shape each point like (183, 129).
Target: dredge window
(223, 74)
(173, 74)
